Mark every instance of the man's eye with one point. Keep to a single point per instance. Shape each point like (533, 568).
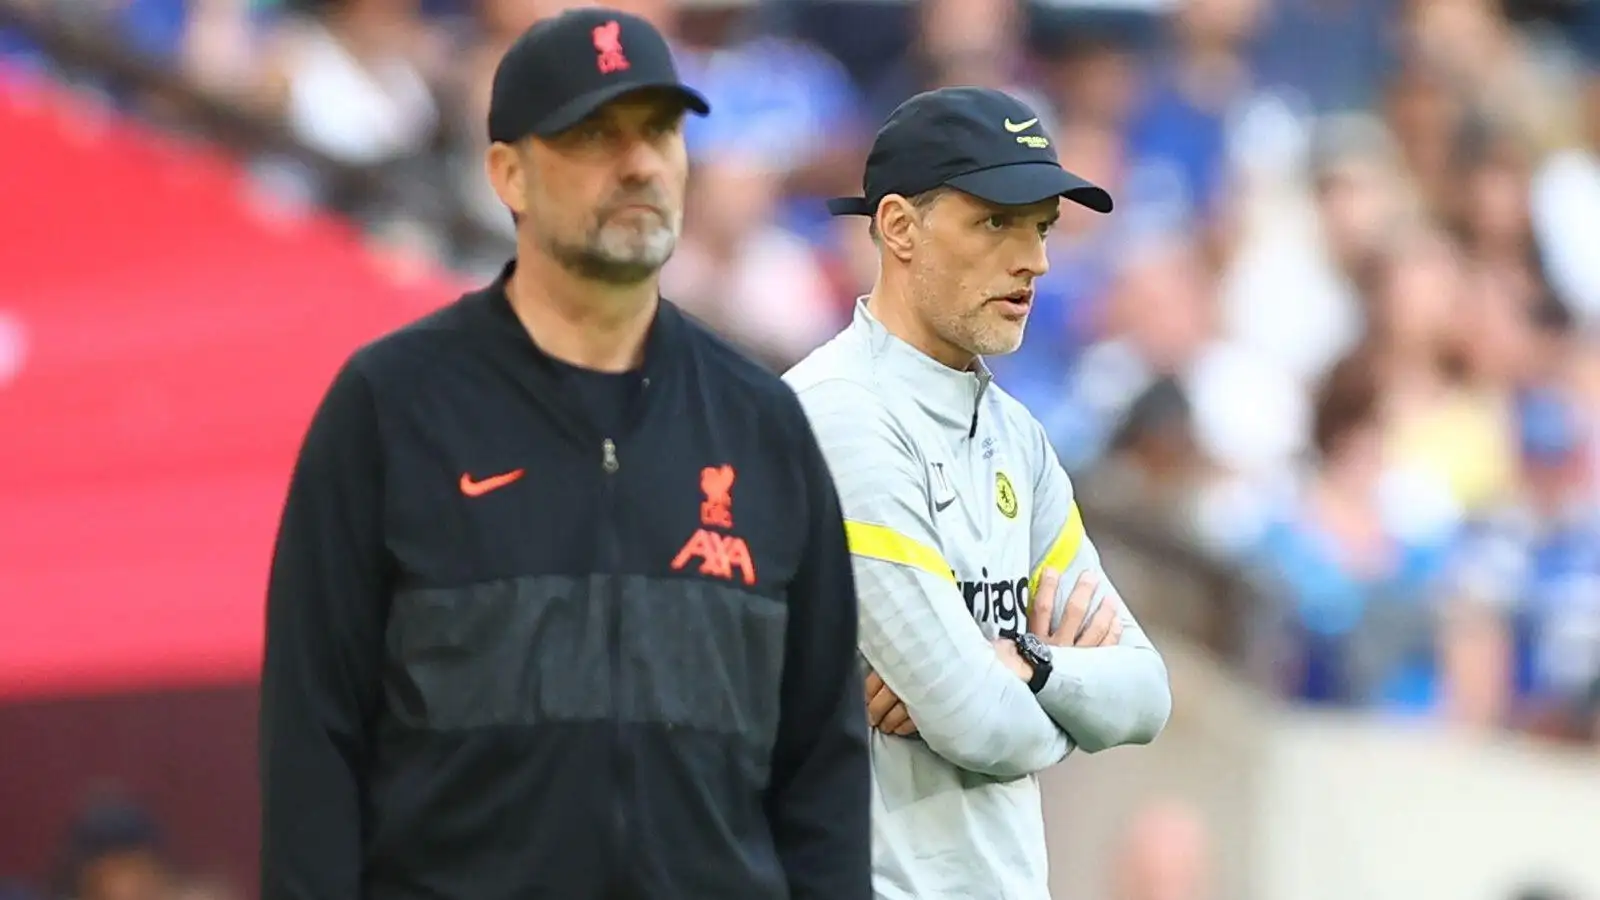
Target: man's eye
(1045, 228)
(997, 223)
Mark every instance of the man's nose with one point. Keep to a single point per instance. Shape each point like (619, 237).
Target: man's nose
(640, 161)
(1033, 260)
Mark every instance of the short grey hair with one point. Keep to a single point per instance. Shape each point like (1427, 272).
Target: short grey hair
(921, 202)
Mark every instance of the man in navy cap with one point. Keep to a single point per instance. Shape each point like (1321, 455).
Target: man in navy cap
(960, 519)
(561, 606)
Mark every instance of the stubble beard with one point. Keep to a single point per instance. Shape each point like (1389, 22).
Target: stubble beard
(621, 253)
(980, 331)
(990, 334)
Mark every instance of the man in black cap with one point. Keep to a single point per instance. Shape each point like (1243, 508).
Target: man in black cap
(561, 606)
(960, 517)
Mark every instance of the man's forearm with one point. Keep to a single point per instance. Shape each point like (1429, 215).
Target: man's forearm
(321, 670)
(1108, 696)
(311, 822)
(993, 725)
(968, 706)
(1103, 697)
(821, 778)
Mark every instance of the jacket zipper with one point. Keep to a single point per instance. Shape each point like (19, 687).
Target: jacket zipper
(621, 755)
(621, 764)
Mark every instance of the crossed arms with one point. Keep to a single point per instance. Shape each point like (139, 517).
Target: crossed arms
(969, 698)
(1103, 693)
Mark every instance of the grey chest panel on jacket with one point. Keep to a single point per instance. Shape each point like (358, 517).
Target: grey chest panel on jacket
(548, 649)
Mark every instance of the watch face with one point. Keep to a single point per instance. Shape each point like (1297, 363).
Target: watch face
(1033, 647)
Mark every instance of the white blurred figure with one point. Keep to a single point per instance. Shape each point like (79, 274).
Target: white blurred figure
(354, 80)
(1250, 418)
(351, 80)
(1290, 293)
(1566, 213)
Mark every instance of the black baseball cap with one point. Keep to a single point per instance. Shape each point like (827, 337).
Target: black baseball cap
(979, 141)
(564, 68)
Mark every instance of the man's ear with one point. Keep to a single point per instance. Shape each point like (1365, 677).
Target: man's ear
(506, 166)
(897, 223)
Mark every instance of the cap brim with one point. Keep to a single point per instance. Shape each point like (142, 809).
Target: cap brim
(1020, 184)
(581, 107)
(849, 206)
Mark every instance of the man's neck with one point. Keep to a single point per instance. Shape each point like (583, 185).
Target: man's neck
(585, 323)
(891, 306)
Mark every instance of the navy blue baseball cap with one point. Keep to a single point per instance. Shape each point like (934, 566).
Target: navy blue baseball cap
(979, 141)
(564, 68)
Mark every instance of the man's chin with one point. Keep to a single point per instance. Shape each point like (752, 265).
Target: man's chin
(619, 266)
(1002, 341)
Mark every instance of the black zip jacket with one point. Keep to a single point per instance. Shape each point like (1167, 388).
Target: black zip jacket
(512, 654)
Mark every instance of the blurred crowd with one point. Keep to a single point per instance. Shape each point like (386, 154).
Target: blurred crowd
(116, 850)
(1342, 331)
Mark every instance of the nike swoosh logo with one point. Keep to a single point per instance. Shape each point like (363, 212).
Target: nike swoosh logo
(940, 507)
(1015, 127)
(479, 488)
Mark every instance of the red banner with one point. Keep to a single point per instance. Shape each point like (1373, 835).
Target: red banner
(165, 333)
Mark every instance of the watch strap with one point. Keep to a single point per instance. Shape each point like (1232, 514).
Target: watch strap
(1041, 676)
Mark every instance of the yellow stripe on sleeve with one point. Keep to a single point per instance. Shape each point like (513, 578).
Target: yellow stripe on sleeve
(879, 542)
(1062, 552)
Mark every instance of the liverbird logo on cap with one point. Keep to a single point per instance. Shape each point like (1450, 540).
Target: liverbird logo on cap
(608, 46)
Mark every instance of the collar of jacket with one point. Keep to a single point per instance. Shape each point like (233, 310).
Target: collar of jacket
(949, 396)
(663, 344)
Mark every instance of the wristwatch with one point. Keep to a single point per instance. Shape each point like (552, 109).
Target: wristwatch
(1037, 654)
